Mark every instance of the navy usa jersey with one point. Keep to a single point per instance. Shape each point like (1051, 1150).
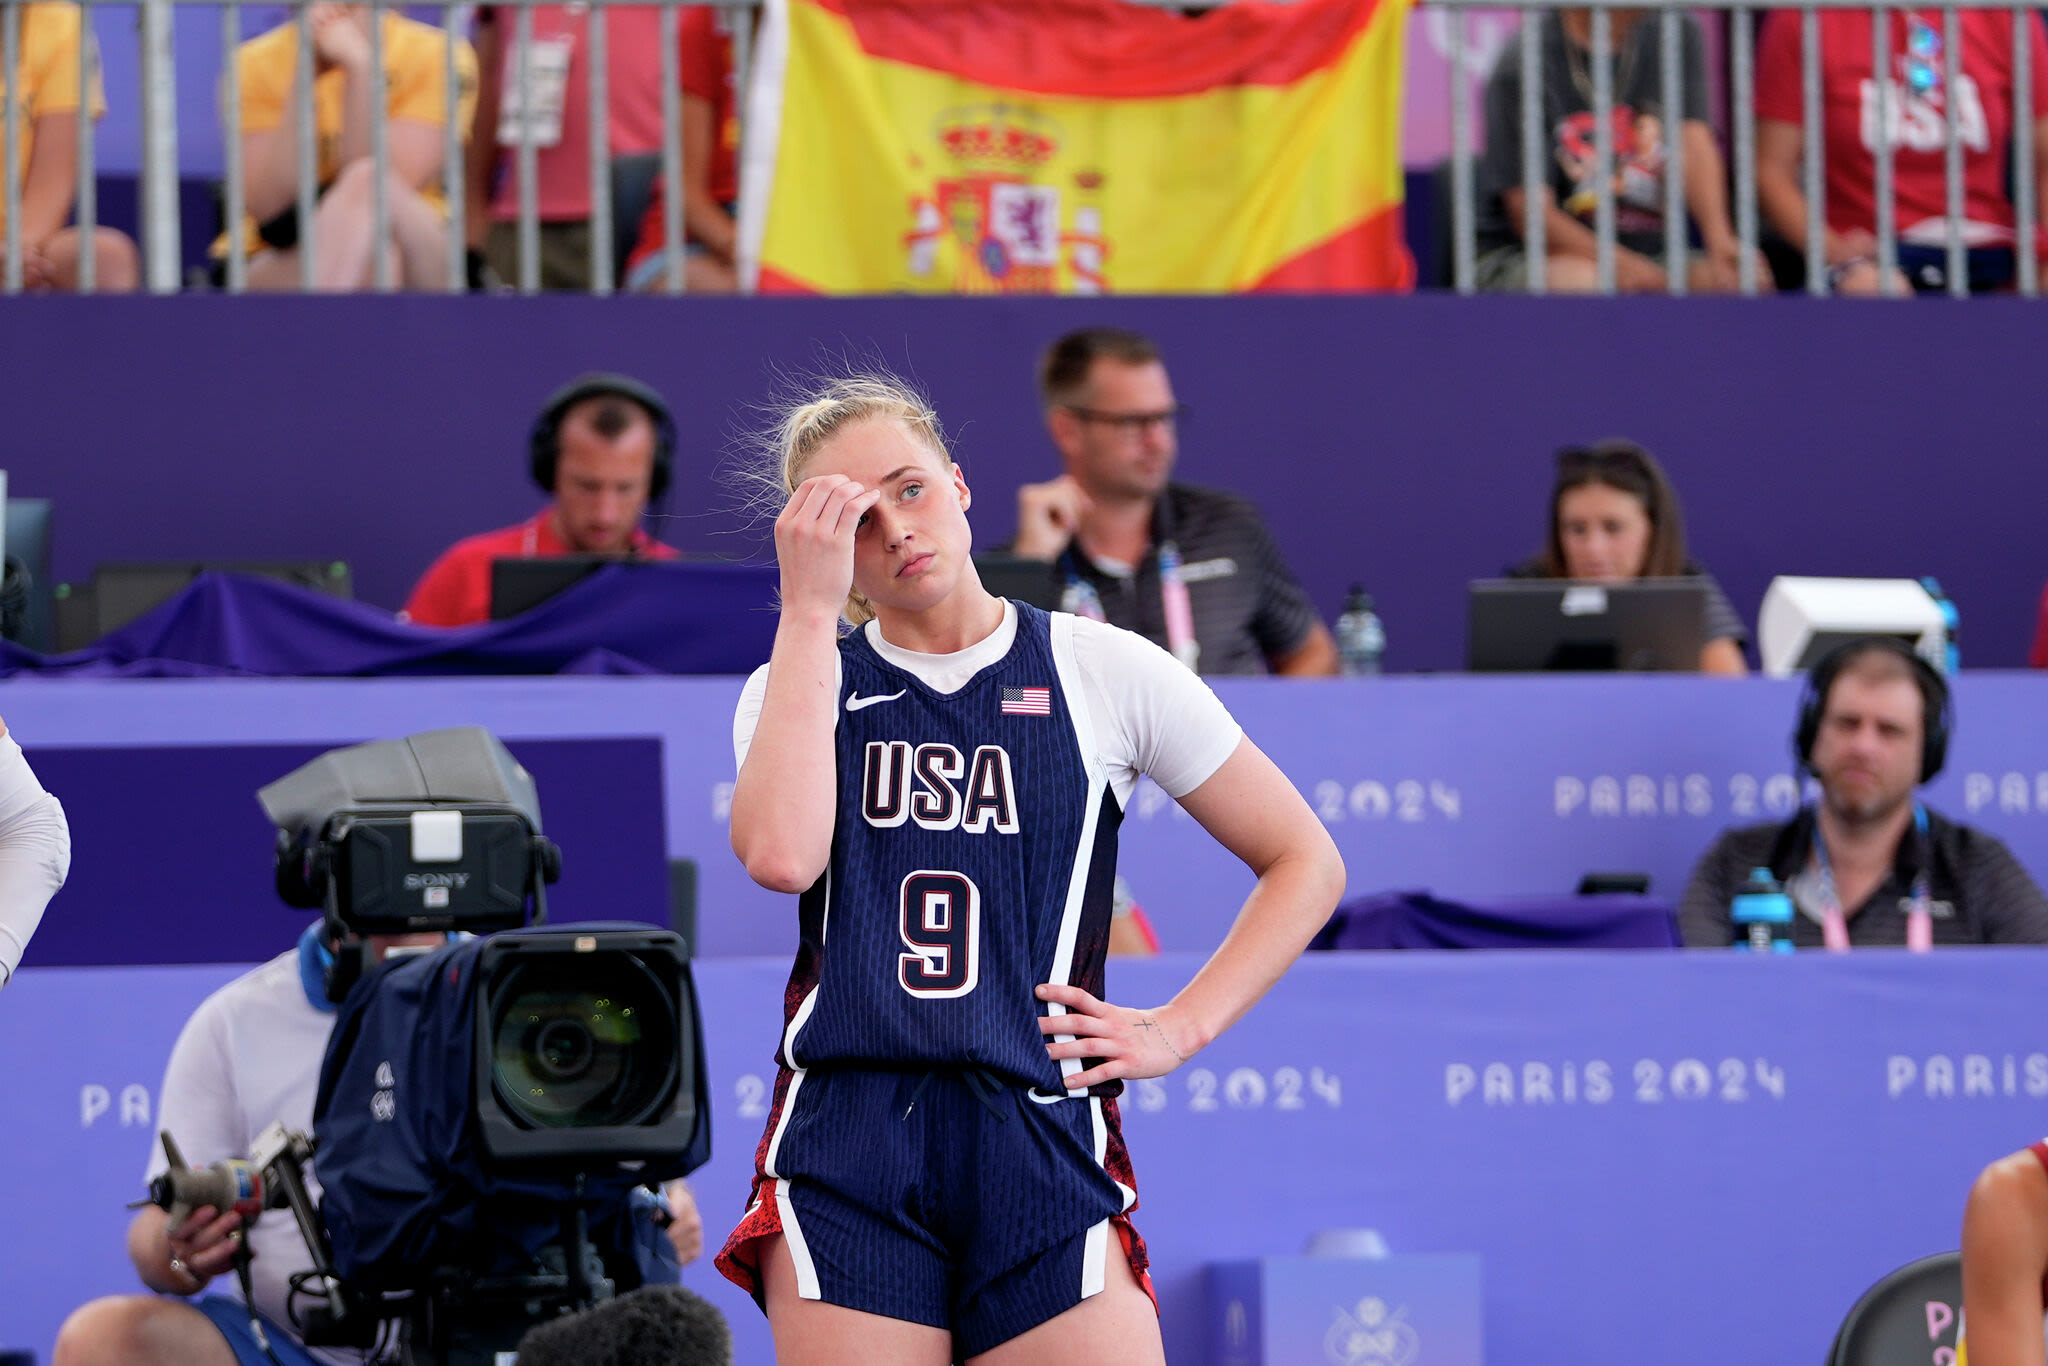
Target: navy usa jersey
(973, 856)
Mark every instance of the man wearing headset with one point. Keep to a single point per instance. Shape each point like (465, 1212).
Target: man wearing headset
(603, 447)
(1868, 863)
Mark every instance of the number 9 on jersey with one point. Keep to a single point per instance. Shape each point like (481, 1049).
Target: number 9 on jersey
(941, 927)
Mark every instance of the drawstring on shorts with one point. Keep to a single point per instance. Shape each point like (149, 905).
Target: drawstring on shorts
(985, 1085)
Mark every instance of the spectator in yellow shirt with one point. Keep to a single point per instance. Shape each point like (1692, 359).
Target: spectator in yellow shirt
(47, 91)
(416, 101)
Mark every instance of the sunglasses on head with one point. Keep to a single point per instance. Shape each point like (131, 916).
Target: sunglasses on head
(1575, 458)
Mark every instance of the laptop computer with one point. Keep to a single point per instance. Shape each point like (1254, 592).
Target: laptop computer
(1012, 576)
(1538, 625)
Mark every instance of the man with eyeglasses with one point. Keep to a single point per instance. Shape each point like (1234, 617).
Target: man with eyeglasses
(1192, 569)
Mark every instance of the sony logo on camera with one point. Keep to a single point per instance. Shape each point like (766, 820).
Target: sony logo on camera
(415, 881)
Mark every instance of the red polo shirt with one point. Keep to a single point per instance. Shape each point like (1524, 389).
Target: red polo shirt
(456, 589)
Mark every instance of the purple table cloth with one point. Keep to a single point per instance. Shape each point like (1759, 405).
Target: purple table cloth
(1422, 920)
(671, 618)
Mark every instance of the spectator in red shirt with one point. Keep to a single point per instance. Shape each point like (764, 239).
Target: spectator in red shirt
(1918, 137)
(559, 72)
(710, 170)
(603, 447)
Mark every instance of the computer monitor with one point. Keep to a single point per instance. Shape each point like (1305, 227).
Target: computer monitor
(1534, 625)
(27, 539)
(520, 584)
(127, 589)
(1019, 579)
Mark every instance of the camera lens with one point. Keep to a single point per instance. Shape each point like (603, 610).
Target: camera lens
(581, 1041)
(563, 1049)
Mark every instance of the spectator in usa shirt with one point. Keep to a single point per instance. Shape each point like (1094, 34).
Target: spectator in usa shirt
(1917, 133)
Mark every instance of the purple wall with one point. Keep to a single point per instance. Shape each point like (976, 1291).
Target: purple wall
(200, 888)
(1399, 441)
(1628, 1141)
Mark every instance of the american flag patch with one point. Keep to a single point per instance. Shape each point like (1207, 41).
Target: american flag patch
(1027, 701)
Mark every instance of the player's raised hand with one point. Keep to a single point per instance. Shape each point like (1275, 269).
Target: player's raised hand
(814, 540)
(1131, 1043)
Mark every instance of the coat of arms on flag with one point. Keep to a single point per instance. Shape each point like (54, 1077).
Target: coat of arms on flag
(1074, 147)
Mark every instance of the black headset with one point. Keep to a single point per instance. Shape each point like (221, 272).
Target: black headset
(544, 443)
(1937, 709)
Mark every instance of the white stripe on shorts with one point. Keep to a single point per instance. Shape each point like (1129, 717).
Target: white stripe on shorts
(799, 1251)
(1095, 1261)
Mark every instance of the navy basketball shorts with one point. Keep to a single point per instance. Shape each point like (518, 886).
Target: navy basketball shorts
(231, 1316)
(948, 1197)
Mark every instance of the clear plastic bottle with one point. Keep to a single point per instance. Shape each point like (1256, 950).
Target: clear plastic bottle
(1952, 658)
(1762, 913)
(1361, 639)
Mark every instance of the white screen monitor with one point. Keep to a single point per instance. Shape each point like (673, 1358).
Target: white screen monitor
(1803, 618)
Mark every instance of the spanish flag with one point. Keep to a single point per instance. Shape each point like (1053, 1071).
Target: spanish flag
(1074, 146)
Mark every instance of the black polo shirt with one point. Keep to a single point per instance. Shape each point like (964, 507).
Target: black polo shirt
(1979, 892)
(1249, 611)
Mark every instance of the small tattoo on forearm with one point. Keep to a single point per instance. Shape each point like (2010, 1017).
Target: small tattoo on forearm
(1147, 1022)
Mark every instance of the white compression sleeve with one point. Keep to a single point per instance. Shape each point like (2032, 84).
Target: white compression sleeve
(35, 853)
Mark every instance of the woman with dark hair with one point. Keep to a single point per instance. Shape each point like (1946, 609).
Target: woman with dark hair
(1614, 517)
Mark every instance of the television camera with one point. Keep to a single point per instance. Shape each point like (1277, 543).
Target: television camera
(493, 1114)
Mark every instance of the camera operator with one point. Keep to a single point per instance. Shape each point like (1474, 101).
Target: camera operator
(250, 1054)
(35, 852)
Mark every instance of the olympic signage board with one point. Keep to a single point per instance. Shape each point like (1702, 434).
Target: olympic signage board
(1346, 1311)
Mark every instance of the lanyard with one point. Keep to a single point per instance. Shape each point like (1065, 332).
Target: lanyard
(1834, 926)
(1180, 612)
(1080, 598)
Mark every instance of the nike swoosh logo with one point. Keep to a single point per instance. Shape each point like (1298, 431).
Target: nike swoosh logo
(855, 701)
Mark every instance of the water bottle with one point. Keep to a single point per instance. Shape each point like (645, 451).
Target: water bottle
(1361, 640)
(1762, 914)
(1952, 658)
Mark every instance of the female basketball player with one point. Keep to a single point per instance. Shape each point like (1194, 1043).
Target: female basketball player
(943, 1177)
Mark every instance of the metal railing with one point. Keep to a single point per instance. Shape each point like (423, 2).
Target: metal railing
(160, 182)
(159, 218)
(1742, 34)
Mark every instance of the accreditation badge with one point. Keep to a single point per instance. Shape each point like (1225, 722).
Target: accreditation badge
(534, 109)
